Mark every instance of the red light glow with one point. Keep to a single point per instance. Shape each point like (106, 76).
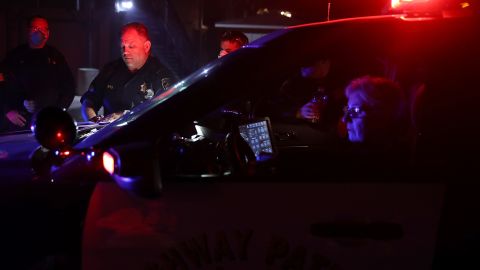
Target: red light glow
(395, 3)
(399, 3)
(108, 162)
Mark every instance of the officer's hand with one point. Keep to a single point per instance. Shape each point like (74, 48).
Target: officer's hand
(29, 105)
(96, 118)
(16, 118)
(112, 117)
(308, 111)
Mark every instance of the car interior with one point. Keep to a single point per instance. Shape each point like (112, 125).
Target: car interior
(300, 144)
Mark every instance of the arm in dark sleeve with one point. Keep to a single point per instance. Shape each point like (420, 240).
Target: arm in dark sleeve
(13, 92)
(66, 85)
(93, 97)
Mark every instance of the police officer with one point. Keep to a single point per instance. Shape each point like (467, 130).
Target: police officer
(128, 81)
(34, 75)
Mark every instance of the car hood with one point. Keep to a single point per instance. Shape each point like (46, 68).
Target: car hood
(15, 150)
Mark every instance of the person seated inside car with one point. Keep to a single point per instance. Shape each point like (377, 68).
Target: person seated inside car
(313, 80)
(377, 122)
(310, 95)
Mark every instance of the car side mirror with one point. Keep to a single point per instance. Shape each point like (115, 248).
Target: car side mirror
(54, 128)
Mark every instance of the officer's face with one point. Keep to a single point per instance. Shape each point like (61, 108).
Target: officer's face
(135, 49)
(38, 33)
(356, 122)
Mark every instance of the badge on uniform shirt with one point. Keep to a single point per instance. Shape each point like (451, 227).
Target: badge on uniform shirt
(147, 92)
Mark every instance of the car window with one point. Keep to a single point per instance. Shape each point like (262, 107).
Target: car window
(406, 57)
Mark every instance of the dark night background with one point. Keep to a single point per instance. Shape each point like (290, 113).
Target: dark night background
(183, 32)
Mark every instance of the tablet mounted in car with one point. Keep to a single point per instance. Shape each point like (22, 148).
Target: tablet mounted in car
(258, 134)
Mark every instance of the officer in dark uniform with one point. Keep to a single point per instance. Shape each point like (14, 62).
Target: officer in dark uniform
(127, 82)
(34, 75)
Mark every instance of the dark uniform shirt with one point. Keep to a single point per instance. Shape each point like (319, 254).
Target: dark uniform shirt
(117, 89)
(41, 75)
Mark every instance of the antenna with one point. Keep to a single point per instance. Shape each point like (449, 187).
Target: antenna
(328, 9)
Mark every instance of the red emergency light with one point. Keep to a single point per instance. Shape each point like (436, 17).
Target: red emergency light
(396, 4)
(422, 6)
(432, 7)
(108, 162)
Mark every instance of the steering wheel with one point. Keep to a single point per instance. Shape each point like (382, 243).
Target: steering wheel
(240, 154)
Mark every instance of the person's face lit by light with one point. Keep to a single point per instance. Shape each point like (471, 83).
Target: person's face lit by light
(365, 122)
(227, 47)
(356, 122)
(38, 33)
(135, 49)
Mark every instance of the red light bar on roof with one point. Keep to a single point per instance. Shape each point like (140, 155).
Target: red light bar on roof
(445, 8)
(402, 4)
(399, 3)
(417, 6)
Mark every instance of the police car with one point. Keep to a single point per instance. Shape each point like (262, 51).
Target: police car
(207, 175)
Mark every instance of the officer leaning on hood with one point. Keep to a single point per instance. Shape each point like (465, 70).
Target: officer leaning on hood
(34, 75)
(126, 82)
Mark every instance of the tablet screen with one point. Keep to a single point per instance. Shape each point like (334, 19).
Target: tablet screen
(257, 134)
